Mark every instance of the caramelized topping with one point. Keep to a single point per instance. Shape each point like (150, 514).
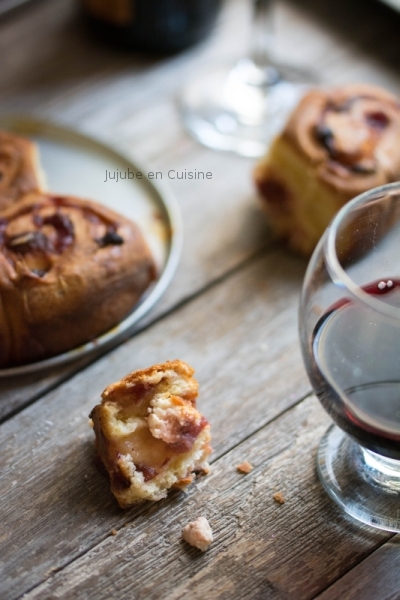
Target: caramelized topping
(63, 227)
(350, 133)
(37, 241)
(32, 241)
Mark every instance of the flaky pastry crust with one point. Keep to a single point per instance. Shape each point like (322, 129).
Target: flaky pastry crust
(70, 270)
(149, 434)
(20, 172)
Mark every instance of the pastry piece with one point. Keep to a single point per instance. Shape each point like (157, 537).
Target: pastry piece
(69, 271)
(20, 172)
(337, 144)
(198, 533)
(149, 434)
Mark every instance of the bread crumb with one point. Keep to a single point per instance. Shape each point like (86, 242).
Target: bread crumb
(198, 533)
(278, 497)
(245, 467)
(113, 532)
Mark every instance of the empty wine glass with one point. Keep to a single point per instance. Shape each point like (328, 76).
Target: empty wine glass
(350, 338)
(241, 108)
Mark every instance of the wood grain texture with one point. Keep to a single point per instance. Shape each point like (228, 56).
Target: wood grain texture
(18, 392)
(241, 336)
(262, 550)
(230, 313)
(129, 101)
(378, 576)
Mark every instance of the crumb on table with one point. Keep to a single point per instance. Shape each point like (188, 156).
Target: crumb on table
(245, 467)
(113, 532)
(198, 533)
(278, 497)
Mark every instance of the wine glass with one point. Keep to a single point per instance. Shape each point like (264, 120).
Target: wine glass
(241, 108)
(350, 338)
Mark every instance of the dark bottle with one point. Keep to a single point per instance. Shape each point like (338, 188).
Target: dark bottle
(158, 26)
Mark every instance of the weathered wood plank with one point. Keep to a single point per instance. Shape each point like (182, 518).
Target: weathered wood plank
(17, 392)
(241, 336)
(378, 576)
(129, 101)
(59, 513)
(262, 550)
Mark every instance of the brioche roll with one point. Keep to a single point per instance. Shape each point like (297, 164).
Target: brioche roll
(337, 144)
(70, 270)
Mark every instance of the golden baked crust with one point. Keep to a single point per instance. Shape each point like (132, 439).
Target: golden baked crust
(70, 270)
(337, 144)
(20, 172)
(149, 434)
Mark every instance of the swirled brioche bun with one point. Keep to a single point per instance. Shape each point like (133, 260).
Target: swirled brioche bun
(337, 144)
(70, 269)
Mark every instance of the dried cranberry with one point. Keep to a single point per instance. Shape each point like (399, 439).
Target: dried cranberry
(377, 119)
(148, 472)
(64, 229)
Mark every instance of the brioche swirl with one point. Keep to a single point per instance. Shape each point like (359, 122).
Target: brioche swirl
(70, 270)
(337, 144)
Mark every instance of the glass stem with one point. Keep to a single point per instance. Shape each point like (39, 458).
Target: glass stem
(262, 32)
(261, 43)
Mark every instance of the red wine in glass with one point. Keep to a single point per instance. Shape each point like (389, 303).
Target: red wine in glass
(354, 368)
(349, 323)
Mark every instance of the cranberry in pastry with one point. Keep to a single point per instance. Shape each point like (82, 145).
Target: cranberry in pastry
(70, 270)
(149, 434)
(337, 144)
(20, 172)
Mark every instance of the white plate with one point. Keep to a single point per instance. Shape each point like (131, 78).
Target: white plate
(76, 165)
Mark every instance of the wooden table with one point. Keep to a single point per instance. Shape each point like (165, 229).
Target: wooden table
(231, 312)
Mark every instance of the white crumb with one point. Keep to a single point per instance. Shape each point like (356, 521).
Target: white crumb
(198, 533)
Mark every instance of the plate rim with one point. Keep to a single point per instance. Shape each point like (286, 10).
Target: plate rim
(164, 197)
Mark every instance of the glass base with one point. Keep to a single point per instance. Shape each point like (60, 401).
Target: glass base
(364, 484)
(240, 109)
